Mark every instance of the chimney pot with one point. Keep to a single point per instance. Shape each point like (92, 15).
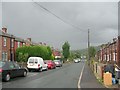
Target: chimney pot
(4, 30)
(29, 39)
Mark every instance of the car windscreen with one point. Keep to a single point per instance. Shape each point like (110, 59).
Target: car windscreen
(2, 64)
(36, 61)
(31, 60)
(56, 60)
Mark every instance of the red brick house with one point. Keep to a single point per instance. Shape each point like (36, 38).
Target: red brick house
(110, 52)
(28, 42)
(118, 51)
(18, 42)
(0, 45)
(56, 54)
(7, 46)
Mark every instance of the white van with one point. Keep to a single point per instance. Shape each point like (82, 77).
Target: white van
(36, 63)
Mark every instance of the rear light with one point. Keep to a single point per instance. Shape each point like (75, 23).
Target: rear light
(1, 70)
(38, 65)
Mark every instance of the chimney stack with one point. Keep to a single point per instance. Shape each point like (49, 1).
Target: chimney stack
(40, 43)
(4, 30)
(29, 39)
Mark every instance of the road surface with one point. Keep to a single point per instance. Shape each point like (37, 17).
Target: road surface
(63, 77)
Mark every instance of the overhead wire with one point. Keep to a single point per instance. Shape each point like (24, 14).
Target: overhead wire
(58, 17)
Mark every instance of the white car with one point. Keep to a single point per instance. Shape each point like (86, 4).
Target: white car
(76, 61)
(36, 63)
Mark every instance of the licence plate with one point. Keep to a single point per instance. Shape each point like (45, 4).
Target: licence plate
(31, 64)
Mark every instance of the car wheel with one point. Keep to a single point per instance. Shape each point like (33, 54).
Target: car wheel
(24, 73)
(7, 77)
(40, 69)
(46, 68)
(29, 70)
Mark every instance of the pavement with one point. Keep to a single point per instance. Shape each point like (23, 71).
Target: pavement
(89, 80)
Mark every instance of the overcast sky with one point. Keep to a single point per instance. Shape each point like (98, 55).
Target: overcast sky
(29, 20)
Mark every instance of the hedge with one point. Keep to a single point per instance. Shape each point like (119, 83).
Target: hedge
(23, 53)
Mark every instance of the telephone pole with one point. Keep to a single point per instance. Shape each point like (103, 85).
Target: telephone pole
(88, 47)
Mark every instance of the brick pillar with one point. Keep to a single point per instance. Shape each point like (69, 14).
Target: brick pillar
(118, 51)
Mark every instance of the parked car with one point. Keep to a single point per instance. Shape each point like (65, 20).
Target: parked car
(9, 69)
(58, 63)
(36, 63)
(50, 64)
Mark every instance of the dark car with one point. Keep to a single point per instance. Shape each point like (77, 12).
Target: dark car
(50, 64)
(58, 63)
(9, 69)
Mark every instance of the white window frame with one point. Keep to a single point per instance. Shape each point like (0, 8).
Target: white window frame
(4, 41)
(12, 43)
(107, 57)
(18, 44)
(114, 57)
(4, 56)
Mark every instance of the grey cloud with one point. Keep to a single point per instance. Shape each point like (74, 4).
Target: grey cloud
(29, 20)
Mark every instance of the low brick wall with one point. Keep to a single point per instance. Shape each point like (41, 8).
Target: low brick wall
(98, 69)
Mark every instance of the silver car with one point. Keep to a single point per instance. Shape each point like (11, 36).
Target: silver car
(58, 63)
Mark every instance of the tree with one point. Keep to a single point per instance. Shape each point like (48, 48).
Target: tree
(24, 52)
(92, 51)
(22, 57)
(77, 54)
(66, 50)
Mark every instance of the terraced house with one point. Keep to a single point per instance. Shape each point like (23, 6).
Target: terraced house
(110, 52)
(9, 45)
(7, 49)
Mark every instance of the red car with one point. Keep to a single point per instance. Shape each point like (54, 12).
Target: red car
(51, 64)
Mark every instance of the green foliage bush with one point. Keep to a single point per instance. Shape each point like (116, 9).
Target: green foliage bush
(24, 52)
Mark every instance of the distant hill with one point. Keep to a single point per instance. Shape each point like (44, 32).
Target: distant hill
(84, 51)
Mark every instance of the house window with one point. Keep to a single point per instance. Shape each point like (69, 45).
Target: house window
(114, 59)
(5, 41)
(107, 57)
(18, 44)
(12, 43)
(4, 56)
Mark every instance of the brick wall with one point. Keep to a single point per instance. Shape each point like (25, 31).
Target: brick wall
(0, 48)
(7, 47)
(118, 52)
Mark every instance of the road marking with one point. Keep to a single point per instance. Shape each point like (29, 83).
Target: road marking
(80, 78)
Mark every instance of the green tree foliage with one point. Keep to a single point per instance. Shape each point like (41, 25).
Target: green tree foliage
(22, 57)
(92, 51)
(24, 52)
(66, 50)
(77, 54)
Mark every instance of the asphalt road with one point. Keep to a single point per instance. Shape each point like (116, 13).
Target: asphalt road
(63, 77)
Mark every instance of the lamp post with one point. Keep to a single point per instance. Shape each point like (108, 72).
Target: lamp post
(88, 47)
